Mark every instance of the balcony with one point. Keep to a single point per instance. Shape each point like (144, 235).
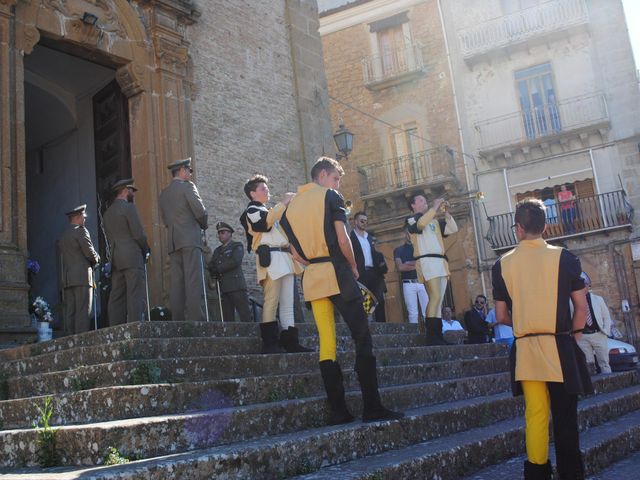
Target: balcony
(593, 214)
(521, 27)
(538, 124)
(392, 67)
(404, 173)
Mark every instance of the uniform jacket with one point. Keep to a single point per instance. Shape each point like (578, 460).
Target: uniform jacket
(184, 214)
(78, 257)
(227, 263)
(125, 234)
(262, 226)
(378, 258)
(427, 238)
(601, 311)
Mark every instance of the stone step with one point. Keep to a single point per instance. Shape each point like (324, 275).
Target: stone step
(602, 446)
(428, 443)
(627, 468)
(165, 434)
(178, 370)
(179, 329)
(158, 348)
(120, 402)
(458, 455)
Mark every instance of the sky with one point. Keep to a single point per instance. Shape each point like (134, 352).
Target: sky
(631, 7)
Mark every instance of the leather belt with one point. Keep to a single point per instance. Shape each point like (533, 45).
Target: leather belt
(279, 249)
(431, 255)
(410, 280)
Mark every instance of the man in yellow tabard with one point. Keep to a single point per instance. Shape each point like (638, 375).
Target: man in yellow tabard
(532, 285)
(432, 265)
(315, 222)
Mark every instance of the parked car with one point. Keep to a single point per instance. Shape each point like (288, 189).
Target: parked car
(622, 356)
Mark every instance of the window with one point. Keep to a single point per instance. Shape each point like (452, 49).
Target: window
(513, 6)
(409, 165)
(540, 114)
(391, 45)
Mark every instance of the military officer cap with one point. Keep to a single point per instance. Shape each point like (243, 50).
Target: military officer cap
(180, 163)
(125, 183)
(77, 210)
(223, 226)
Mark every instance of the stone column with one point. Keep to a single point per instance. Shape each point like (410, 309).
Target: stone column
(14, 317)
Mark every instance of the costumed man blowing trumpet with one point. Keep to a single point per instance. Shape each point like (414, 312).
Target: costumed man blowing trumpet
(427, 232)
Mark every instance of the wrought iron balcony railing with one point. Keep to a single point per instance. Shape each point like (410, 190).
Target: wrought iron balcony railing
(583, 216)
(551, 119)
(518, 27)
(392, 65)
(406, 172)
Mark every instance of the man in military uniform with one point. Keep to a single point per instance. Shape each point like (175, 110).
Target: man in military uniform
(185, 216)
(315, 223)
(129, 250)
(226, 269)
(275, 266)
(78, 259)
(432, 265)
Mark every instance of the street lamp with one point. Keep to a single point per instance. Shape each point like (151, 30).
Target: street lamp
(344, 142)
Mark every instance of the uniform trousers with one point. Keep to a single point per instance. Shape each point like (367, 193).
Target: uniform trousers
(540, 398)
(77, 308)
(236, 300)
(128, 296)
(596, 344)
(414, 293)
(436, 288)
(187, 290)
(375, 282)
(278, 296)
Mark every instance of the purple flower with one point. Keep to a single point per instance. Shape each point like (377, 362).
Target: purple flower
(33, 266)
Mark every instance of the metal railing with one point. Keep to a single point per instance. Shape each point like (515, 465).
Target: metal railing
(550, 119)
(405, 171)
(585, 215)
(523, 25)
(392, 64)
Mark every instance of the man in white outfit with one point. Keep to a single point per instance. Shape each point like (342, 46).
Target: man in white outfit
(413, 289)
(594, 339)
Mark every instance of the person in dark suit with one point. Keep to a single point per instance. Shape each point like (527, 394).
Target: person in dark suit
(185, 216)
(78, 259)
(225, 268)
(475, 322)
(371, 264)
(129, 249)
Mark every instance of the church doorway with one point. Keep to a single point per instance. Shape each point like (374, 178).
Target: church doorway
(76, 146)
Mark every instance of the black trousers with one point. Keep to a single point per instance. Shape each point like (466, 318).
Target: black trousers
(356, 319)
(375, 282)
(564, 411)
(236, 300)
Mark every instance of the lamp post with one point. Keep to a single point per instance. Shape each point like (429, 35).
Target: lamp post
(344, 141)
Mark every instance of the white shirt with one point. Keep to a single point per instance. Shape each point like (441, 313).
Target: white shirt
(451, 325)
(500, 331)
(366, 248)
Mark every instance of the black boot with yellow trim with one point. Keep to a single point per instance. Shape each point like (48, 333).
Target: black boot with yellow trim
(334, 386)
(290, 341)
(269, 334)
(372, 408)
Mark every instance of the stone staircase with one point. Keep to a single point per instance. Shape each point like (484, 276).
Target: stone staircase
(196, 401)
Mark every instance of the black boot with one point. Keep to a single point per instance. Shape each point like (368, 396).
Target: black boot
(434, 331)
(289, 341)
(533, 471)
(372, 408)
(269, 333)
(332, 378)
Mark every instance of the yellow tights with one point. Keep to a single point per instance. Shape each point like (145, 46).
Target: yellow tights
(326, 325)
(537, 404)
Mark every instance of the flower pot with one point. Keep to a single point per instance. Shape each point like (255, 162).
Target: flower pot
(45, 332)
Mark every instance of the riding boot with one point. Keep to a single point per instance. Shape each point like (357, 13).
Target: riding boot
(333, 384)
(269, 333)
(434, 331)
(372, 408)
(290, 342)
(534, 471)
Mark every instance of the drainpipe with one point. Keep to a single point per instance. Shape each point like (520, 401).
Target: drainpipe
(506, 185)
(595, 180)
(462, 147)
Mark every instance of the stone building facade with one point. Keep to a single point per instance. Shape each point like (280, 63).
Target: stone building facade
(548, 96)
(388, 73)
(94, 91)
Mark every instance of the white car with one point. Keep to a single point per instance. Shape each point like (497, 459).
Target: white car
(622, 356)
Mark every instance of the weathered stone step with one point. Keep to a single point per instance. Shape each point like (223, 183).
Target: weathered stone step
(487, 429)
(112, 403)
(178, 370)
(165, 434)
(159, 348)
(626, 468)
(179, 329)
(602, 446)
(444, 458)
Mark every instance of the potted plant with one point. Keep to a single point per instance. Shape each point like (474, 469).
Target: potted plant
(41, 310)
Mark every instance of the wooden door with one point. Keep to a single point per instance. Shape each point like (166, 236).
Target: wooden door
(113, 163)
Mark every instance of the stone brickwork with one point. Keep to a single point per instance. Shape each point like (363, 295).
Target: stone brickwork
(260, 103)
